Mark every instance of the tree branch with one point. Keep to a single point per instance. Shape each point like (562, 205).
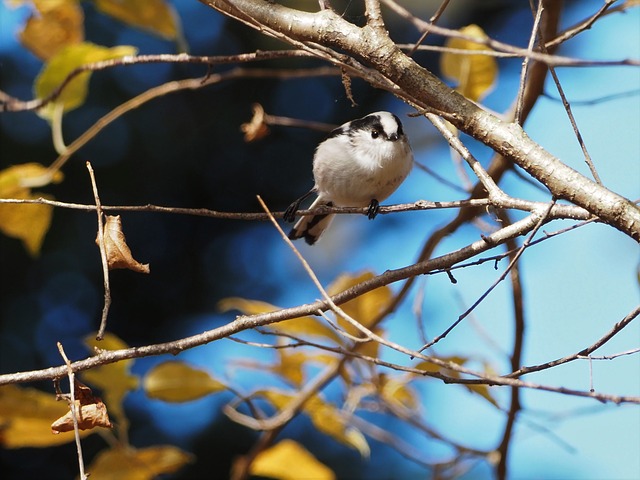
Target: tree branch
(248, 322)
(421, 88)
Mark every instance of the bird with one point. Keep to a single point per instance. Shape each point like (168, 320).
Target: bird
(359, 164)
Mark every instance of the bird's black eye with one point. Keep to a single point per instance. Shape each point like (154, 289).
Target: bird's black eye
(375, 133)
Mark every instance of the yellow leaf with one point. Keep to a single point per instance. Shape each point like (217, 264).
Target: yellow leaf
(475, 74)
(365, 308)
(65, 61)
(58, 23)
(156, 16)
(120, 463)
(248, 307)
(175, 381)
(432, 367)
(113, 379)
(398, 391)
(325, 417)
(21, 178)
(329, 420)
(291, 366)
(302, 326)
(26, 222)
(26, 415)
(296, 326)
(482, 390)
(277, 398)
(288, 460)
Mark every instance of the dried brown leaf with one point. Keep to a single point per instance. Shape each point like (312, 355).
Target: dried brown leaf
(118, 252)
(256, 128)
(90, 411)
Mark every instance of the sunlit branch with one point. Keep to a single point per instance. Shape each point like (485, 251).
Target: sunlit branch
(558, 212)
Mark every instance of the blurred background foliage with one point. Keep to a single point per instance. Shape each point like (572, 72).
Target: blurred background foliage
(187, 150)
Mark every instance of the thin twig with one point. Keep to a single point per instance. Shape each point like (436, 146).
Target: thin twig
(518, 342)
(583, 353)
(633, 351)
(434, 18)
(326, 297)
(572, 120)
(535, 31)
(103, 256)
(543, 218)
(580, 27)
(559, 211)
(74, 413)
(11, 104)
(498, 46)
(490, 186)
(176, 86)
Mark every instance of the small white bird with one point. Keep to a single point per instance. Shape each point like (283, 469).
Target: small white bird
(360, 164)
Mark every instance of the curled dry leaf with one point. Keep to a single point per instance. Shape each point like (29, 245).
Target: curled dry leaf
(90, 411)
(118, 252)
(257, 128)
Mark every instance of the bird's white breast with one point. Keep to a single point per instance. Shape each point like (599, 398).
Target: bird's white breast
(352, 174)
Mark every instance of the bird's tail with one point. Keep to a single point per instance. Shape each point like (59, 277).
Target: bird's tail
(311, 227)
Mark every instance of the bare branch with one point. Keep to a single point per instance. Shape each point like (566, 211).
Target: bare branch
(103, 255)
(558, 212)
(10, 104)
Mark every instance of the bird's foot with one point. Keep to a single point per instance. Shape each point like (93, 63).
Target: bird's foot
(374, 208)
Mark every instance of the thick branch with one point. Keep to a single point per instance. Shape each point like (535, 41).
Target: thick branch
(421, 88)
